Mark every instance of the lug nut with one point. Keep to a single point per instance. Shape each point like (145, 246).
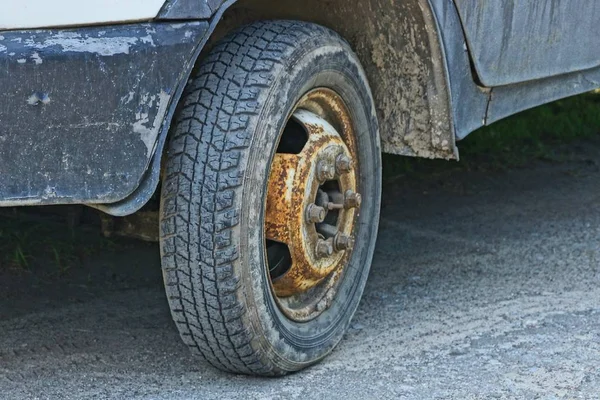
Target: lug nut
(343, 164)
(315, 214)
(324, 248)
(352, 200)
(325, 171)
(343, 242)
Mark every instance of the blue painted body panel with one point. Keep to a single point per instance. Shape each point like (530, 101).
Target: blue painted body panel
(519, 41)
(474, 104)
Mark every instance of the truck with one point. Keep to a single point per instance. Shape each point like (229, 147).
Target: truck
(260, 125)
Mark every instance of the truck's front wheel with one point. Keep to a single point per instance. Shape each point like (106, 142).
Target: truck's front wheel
(270, 202)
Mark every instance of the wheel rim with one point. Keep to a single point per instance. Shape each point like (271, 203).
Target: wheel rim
(312, 205)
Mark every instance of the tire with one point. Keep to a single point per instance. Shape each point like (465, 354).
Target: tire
(216, 179)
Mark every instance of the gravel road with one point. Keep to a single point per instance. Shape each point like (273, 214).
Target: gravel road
(484, 286)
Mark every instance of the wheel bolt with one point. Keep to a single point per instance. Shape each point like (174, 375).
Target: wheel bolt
(343, 164)
(352, 200)
(324, 248)
(315, 214)
(325, 171)
(343, 242)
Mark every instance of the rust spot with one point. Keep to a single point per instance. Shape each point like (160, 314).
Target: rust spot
(293, 186)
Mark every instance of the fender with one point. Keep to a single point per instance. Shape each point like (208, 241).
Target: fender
(404, 55)
(177, 10)
(82, 108)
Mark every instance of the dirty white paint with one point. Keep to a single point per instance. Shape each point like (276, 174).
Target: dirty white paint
(47, 13)
(148, 130)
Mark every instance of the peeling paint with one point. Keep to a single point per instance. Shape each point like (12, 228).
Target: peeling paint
(128, 99)
(33, 100)
(36, 58)
(38, 98)
(65, 161)
(148, 130)
(75, 42)
(148, 39)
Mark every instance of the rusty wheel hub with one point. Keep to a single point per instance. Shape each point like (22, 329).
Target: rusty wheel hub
(312, 204)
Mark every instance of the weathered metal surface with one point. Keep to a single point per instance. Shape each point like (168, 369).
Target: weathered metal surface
(81, 109)
(150, 180)
(279, 208)
(421, 75)
(418, 63)
(474, 106)
(305, 208)
(517, 41)
(294, 186)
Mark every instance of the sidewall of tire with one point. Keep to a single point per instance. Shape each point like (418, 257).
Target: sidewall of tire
(321, 62)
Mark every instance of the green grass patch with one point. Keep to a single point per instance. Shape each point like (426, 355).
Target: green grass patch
(536, 134)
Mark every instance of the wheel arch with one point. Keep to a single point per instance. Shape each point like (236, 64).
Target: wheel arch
(401, 48)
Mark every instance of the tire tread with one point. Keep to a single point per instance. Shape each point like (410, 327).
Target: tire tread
(204, 176)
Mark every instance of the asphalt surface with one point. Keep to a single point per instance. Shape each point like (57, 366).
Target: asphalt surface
(484, 286)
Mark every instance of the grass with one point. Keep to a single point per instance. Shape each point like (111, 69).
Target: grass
(536, 134)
